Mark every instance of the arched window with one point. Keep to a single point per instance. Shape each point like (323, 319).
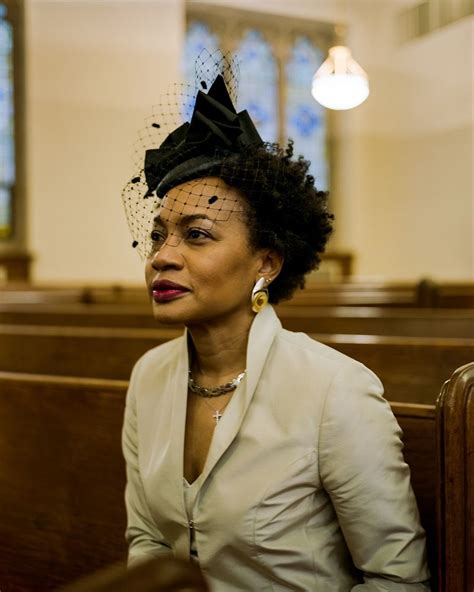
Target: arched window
(7, 137)
(278, 57)
(305, 119)
(258, 87)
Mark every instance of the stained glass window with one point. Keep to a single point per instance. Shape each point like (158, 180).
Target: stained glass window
(7, 146)
(305, 119)
(260, 91)
(198, 37)
(258, 88)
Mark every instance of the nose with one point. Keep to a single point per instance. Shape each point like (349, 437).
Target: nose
(168, 256)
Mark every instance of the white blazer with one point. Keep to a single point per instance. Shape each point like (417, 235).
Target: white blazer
(304, 487)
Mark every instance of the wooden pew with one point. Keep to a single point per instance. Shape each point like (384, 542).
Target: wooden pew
(419, 437)
(333, 294)
(112, 352)
(455, 451)
(54, 294)
(425, 293)
(454, 295)
(331, 320)
(315, 295)
(34, 295)
(408, 322)
(77, 351)
(62, 478)
(352, 294)
(139, 316)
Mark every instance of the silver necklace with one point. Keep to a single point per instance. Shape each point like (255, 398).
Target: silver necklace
(216, 391)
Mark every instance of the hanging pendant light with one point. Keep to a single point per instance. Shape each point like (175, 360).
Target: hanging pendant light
(340, 83)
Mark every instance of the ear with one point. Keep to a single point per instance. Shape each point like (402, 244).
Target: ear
(271, 264)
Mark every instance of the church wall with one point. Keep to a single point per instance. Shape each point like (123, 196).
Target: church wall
(406, 207)
(94, 69)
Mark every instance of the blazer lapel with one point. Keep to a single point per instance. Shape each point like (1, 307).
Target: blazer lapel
(262, 333)
(171, 475)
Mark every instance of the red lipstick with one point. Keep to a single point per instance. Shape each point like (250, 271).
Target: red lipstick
(165, 290)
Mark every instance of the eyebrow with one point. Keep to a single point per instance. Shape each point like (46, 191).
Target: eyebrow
(186, 219)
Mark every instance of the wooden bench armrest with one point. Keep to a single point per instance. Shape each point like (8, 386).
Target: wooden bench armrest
(455, 453)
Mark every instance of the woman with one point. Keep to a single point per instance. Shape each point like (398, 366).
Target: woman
(272, 459)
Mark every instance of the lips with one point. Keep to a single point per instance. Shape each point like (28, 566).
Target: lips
(165, 290)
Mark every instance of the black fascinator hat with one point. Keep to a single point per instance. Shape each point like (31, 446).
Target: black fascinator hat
(215, 132)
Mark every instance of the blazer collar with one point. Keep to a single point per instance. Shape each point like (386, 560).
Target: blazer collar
(262, 334)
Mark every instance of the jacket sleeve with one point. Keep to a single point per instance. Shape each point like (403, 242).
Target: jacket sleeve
(142, 535)
(363, 470)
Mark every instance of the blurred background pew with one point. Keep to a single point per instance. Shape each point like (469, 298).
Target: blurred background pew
(411, 368)
(352, 320)
(422, 294)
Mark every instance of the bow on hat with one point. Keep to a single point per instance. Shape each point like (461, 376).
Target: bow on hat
(192, 149)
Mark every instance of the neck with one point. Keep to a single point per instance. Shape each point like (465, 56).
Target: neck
(219, 350)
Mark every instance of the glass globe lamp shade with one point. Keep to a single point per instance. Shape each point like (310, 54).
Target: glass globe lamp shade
(340, 83)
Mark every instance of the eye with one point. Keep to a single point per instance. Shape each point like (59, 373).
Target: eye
(157, 236)
(196, 234)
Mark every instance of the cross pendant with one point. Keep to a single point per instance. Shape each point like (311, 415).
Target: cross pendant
(217, 415)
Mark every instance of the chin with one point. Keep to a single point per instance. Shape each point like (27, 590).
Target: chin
(168, 314)
(179, 311)
(189, 312)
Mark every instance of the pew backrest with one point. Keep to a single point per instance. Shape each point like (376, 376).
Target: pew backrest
(419, 438)
(62, 479)
(78, 314)
(455, 453)
(57, 294)
(425, 293)
(411, 369)
(407, 322)
(77, 351)
(361, 320)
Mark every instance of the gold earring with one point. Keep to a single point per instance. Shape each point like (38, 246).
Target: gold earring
(259, 295)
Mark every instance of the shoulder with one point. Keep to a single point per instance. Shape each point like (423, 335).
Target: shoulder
(303, 347)
(351, 395)
(317, 363)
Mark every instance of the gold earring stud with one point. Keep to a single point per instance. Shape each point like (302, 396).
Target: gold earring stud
(259, 295)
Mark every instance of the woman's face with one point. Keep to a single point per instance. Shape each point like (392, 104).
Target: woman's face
(201, 267)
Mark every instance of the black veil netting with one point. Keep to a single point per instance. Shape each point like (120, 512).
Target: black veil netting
(193, 134)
